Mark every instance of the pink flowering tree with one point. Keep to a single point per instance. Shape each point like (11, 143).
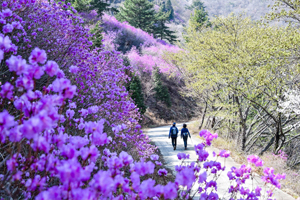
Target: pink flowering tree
(290, 107)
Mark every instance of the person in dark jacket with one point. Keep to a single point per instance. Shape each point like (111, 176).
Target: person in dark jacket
(173, 133)
(184, 134)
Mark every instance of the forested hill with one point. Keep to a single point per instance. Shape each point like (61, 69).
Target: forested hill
(254, 8)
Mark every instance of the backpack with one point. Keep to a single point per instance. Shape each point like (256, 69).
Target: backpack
(174, 132)
(185, 134)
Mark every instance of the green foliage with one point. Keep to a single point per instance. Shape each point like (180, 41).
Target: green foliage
(134, 87)
(141, 14)
(286, 10)
(138, 13)
(162, 92)
(97, 35)
(136, 93)
(199, 19)
(87, 5)
(241, 68)
(101, 6)
(168, 8)
(196, 5)
(162, 31)
(80, 5)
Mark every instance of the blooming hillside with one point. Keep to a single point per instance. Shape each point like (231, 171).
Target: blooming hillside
(147, 55)
(63, 106)
(143, 50)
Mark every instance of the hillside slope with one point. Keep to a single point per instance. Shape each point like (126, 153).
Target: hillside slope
(254, 8)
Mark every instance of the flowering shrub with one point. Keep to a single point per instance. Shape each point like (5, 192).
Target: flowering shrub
(144, 51)
(64, 109)
(124, 35)
(153, 56)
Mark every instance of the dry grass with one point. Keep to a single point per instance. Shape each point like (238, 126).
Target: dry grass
(151, 121)
(230, 145)
(221, 143)
(291, 184)
(193, 127)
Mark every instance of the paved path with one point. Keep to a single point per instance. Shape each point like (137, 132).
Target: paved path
(159, 136)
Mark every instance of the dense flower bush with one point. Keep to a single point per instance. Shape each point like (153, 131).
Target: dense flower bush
(64, 109)
(144, 51)
(68, 129)
(124, 35)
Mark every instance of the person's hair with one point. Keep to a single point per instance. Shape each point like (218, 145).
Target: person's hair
(184, 125)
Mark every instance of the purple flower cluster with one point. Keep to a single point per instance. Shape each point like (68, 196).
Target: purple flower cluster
(270, 177)
(281, 154)
(183, 156)
(201, 152)
(255, 160)
(224, 154)
(208, 136)
(162, 172)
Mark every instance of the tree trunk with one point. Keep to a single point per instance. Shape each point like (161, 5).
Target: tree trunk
(213, 122)
(243, 129)
(277, 135)
(267, 147)
(203, 116)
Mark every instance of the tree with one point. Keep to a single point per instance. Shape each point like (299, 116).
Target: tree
(196, 4)
(286, 10)
(135, 89)
(80, 5)
(97, 35)
(138, 13)
(199, 16)
(162, 92)
(101, 6)
(198, 19)
(243, 80)
(161, 30)
(87, 5)
(168, 8)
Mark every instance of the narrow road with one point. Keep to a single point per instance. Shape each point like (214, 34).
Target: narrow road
(159, 136)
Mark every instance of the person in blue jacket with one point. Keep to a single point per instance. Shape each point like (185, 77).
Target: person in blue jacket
(184, 134)
(173, 133)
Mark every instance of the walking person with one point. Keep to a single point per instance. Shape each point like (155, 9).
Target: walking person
(184, 134)
(173, 133)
